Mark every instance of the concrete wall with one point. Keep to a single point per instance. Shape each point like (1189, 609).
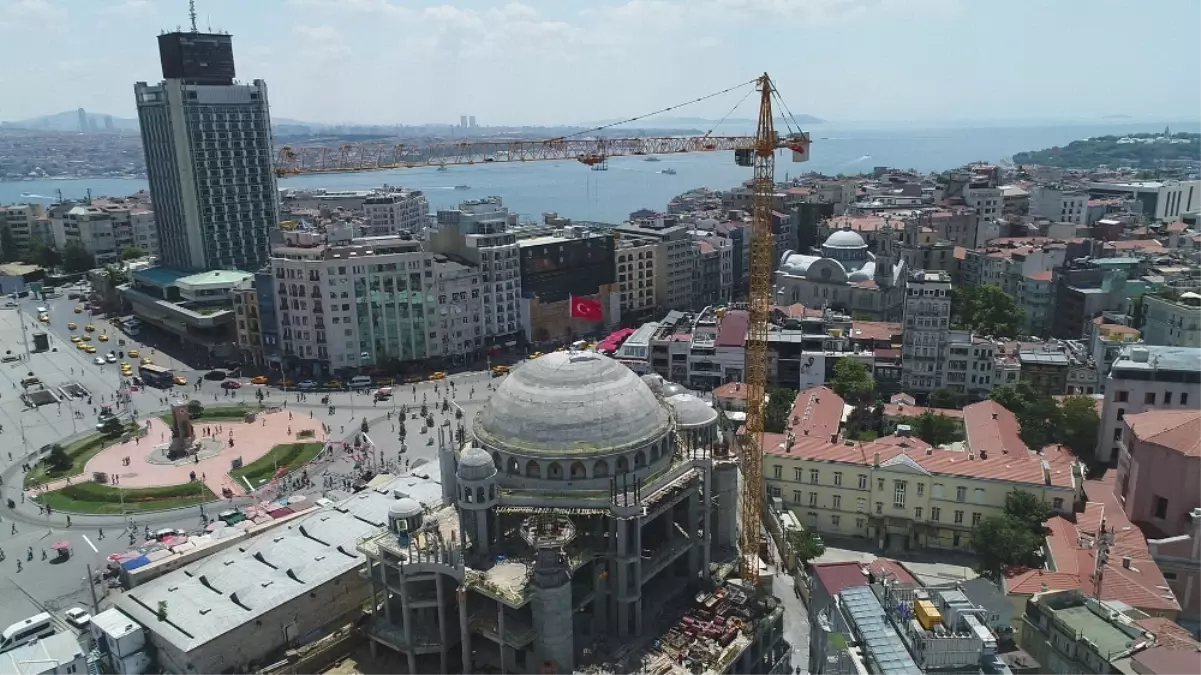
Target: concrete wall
(1148, 471)
(292, 623)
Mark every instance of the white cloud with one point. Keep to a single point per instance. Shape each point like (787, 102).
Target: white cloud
(131, 8)
(28, 13)
(325, 42)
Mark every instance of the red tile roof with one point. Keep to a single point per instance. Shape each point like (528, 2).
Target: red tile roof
(736, 390)
(1167, 661)
(893, 569)
(875, 330)
(1040, 276)
(836, 577)
(732, 330)
(902, 410)
(816, 413)
(1176, 430)
(992, 430)
(1170, 634)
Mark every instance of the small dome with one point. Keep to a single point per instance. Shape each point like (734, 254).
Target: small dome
(405, 507)
(655, 382)
(691, 411)
(475, 457)
(671, 389)
(568, 404)
(845, 239)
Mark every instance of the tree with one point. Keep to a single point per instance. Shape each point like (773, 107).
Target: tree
(779, 405)
(115, 276)
(865, 424)
(8, 244)
(1000, 542)
(1013, 397)
(1079, 424)
(944, 398)
(43, 256)
(76, 258)
(806, 546)
(364, 427)
(986, 310)
(111, 426)
(852, 381)
(58, 459)
(195, 408)
(132, 253)
(1028, 510)
(934, 428)
(402, 431)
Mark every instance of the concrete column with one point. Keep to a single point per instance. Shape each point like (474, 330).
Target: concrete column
(725, 482)
(600, 604)
(622, 571)
(407, 618)
(694, 551)
(500, 632)
(442, 627)
(706, 522)
(464, 633)
(553, 623)
(638, 579)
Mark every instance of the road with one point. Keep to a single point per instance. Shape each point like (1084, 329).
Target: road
(58, 585)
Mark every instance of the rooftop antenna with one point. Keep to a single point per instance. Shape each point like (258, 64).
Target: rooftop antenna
(192, 14)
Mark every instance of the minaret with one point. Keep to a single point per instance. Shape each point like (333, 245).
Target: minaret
(885, 255)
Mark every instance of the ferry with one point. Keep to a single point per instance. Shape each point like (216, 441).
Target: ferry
(668, 171)
(442, 167)
(652, 158)
(462, 187)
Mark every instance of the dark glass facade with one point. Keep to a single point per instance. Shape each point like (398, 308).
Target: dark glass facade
(555, 270)
(197, 58)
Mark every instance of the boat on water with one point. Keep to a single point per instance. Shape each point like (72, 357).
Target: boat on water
(668, 171)
(462, 187)
(652, 158)
(442, 168)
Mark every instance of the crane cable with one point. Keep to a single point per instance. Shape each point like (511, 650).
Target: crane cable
(657, 112)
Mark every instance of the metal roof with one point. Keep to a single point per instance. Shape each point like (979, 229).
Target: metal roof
(881, 643)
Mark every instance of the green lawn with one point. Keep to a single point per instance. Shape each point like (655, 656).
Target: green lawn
(96, 498)
(217, 413)
(79, 451)
(290, 455)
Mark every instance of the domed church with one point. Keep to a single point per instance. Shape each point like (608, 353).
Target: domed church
(846, 276)
(582, 502)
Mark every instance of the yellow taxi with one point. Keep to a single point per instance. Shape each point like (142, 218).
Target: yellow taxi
(76, 339)
(79, 309)
(72, 326)
(81, 346)
(87, 338)
(181, 380)
(146, 361)
(127, 372)
(103, 337)
(434, 377)
(126, 366)
(89, 328)
(89, 349)
(133, 353)
(497, 371)
(535, 355)
(261, 379)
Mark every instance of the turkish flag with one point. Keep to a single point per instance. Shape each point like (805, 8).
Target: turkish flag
(588, 310)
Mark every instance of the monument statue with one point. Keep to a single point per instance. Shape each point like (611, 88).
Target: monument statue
(183, 436)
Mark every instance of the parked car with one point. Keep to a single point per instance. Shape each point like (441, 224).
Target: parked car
(231, 384)
(307, 384)
(260, 379)
(76, 616)
(213, 374)
(99, 360)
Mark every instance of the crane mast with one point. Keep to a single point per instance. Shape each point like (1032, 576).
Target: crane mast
(763, 188)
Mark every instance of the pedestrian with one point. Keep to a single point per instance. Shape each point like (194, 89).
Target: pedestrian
(100, 534)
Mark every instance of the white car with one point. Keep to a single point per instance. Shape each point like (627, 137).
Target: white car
(99, 360)
(112, 358)
(77, 617)
(307, 384)
(43, 310)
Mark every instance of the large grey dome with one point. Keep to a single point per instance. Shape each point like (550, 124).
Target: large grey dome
(845, 239)
(570, 404)
(691, 411)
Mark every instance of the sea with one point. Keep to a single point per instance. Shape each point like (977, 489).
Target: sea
(574, 191)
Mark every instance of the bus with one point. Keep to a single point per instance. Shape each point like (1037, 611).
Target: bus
(156, 376)
(23, 632)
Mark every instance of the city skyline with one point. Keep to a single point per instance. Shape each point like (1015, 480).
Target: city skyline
(543, 63)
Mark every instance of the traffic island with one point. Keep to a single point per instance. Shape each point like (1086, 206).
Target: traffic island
(286, 456)
(94, 498)
(78, 452)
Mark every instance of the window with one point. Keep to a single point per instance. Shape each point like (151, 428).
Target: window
(837, 478)
(860, 505)
(1117, 434)
(1121, 396)
(921, 489)
(796, 474)
(1057, 503)
(961, 494)
(1161, 507)
(917, 513)
(835, 520)
(959, 517)
(1184, 398)
(859, 523)
(813, 476)
(1167, 398)
(935, 513)
(975, 519)
(796, 496)
(777, 471)
(880, 485)
(1121, 414)
(898, 494)
(879, 507)
(775, 491)
(837, 500)
(1149, 398)
(938, 491)
(862, 481)
(812, 499)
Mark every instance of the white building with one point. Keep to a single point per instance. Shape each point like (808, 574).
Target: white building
(478, 233)
(1058, 204)
(1146, 378)
(209, 157)
(59, 654)
(986, 199)
(395, 211)
(346, 304)
(927, 328)
(846, 277)
(637, 260)
(1159, 200)
(1173, 323)
(22, 220)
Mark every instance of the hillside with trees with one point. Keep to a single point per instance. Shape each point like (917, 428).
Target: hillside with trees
(1118, 151)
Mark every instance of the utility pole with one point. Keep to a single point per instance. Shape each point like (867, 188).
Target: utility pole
(92, 588)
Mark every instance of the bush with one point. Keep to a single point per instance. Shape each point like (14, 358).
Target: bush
(364, 427)
(306, 433)
(195, 409)
(58, 459)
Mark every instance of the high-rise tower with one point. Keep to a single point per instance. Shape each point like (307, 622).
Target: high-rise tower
(208, 156)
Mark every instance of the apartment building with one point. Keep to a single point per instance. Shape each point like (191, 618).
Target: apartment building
(1069, 632)
(1105, 342)
(636, 273)
(248, 326)
(927, 312)
(477, 233)
(209, 157)
(1159, 468)
(1146, 377)
(713, 269)
(1059, 204)
(900, 492)
(674, 262)
(1157, 200)
(1172, 320)
(104, 229)
(394, 211)
(349, 305)
(574, 261)
(22, 222)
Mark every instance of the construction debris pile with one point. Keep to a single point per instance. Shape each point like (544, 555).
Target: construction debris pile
(706, 633)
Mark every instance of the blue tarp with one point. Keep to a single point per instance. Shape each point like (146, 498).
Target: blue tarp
(140, 561)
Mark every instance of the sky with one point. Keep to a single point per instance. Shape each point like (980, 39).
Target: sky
(570, 61)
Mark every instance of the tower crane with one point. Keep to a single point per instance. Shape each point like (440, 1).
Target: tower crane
(758, 152)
